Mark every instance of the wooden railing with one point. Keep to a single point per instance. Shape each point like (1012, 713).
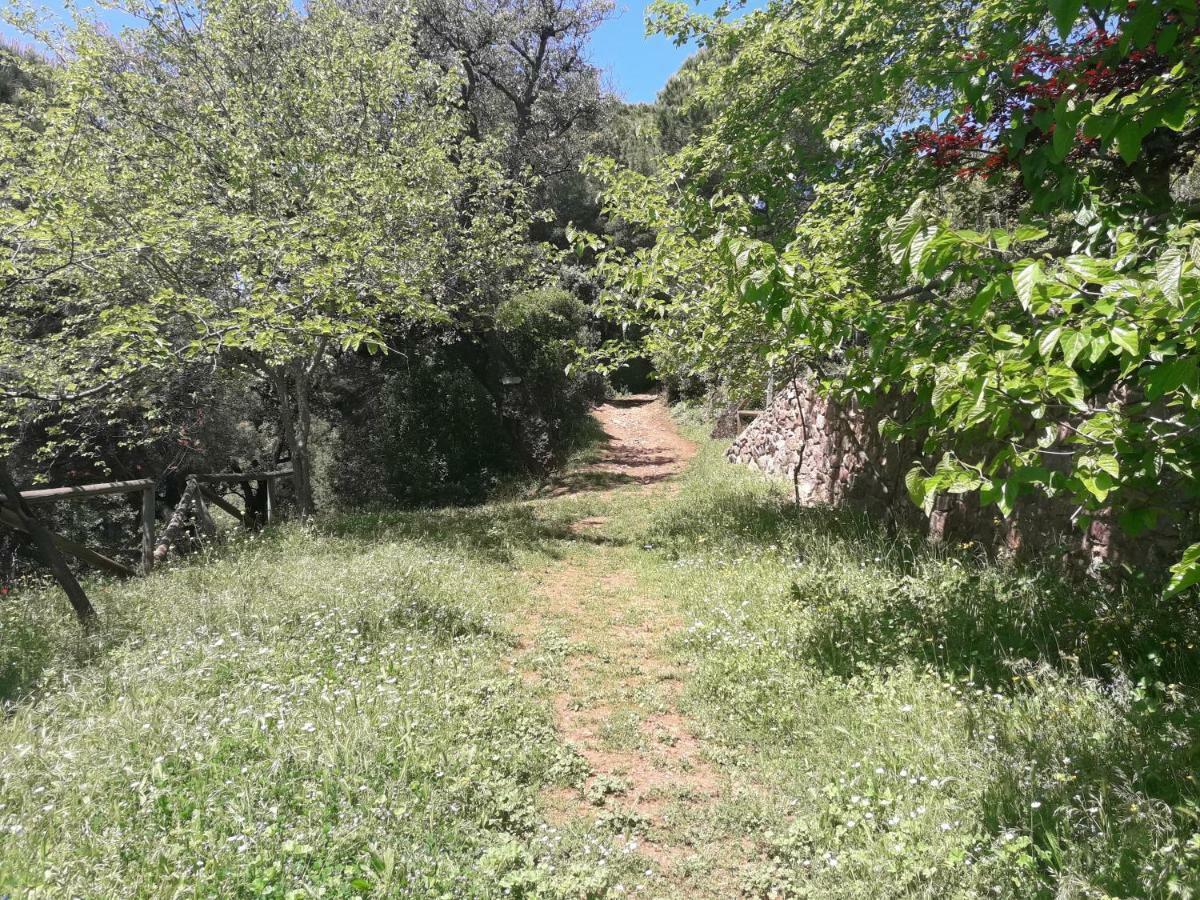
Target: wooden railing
(267, 479)
(198, 484)
(145, 486)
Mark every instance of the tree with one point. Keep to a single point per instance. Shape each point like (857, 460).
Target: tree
(526, 77)
(234, 181)
(532, 102)
(976, 205)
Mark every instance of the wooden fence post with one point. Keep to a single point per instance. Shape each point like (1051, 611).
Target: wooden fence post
(44, 541)
(148, 510)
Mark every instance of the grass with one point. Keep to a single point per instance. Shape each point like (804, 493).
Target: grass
(911, 721)
(344, 711)
(313, 714)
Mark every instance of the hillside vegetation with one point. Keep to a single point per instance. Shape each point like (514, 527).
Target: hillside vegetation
(328, 326)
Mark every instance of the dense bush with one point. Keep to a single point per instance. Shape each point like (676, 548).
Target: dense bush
(426, 433)
(424, 427)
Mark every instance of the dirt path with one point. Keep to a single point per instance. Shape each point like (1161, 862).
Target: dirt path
(641, 446)
(644, 445)
(596, 640)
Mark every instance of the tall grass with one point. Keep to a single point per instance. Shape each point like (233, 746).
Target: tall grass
(307, 715)
(331, 712)
(923, 722)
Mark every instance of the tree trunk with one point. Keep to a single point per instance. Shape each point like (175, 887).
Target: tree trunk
(179, 520)
(43, 539)
(297, 428)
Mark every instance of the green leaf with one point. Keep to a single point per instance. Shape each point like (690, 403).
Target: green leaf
(1129, 141)
(1178, 112)
(1169, 376)
(1168, 272)
(1066, 384)
(1098, 484)
(1072, 343)
(1106, 462)
(1098, 126)
(1010, 490)
(1065, 13)
(1029, 233)
(1048, 341)
(920, 241)
(1166, 38)
(1027, 275)
(1090, 268)
(1137, 521)
(1186, 572)
(974, 238)
(945, 396)
(903, 231)
(914, 480)
(1063, 138)
(982, 301)
(1125, 337)
(1140, 29)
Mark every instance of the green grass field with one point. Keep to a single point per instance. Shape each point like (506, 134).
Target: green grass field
(920, 723)
(310, 715)
(335, 711)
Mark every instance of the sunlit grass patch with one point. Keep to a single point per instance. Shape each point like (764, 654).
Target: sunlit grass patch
(922, 722)
(309, 713)
(344, 709)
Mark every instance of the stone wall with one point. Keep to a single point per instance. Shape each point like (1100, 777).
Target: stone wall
(833, 455)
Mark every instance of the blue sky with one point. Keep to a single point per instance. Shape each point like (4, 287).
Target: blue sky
(636, 66)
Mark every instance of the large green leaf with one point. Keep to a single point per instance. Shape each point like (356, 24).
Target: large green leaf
(1090, 268)
(1027, 275)
(1186, 572)
(1169, 376)
(1168, 271)
(1065, 13)
(1048, 341)
(1072, 343)
(914, 480)
(1125, 337)
(1129, 140)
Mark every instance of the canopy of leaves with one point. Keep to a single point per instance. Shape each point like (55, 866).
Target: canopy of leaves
(979, 205)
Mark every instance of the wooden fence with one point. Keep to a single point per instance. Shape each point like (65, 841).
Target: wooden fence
(198, 485)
